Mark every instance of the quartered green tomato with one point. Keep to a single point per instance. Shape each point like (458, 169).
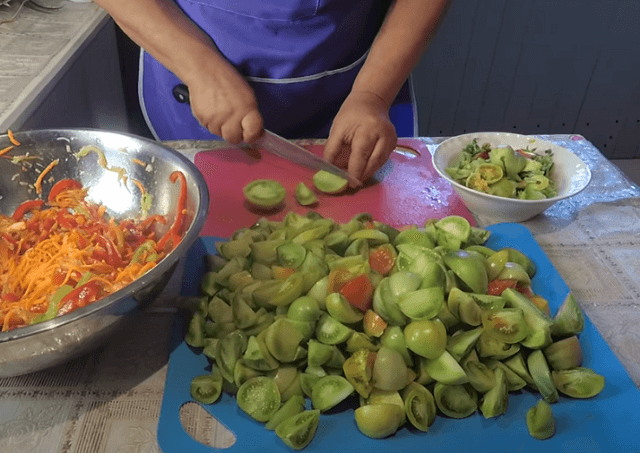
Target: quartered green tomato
(462, 342)
(257, 356)
(279, 292)
(423, 303)
(514, 271)
(393, 337)
(329, 183)
(304, 308)
(207, 388)
(455, 401)
(541, 374)
(298, 431)
(304, 195)
(495, 401)
(291, 254)
(291, 407)
(259, 397)
(564, 354)
(283, 340)
(358, 370)
(419, 406)
(506, 325)
(488, 347)
(379, 420)
(229, 350)
(330, 391)
(331, 331)
(469, 268)
(340, 309)
(427, 338)
(540, 421)
(578, 382)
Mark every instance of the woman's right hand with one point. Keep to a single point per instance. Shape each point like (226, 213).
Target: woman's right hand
(225, 104)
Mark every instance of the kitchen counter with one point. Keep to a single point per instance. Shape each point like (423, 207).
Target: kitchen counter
(110, 400)
(60, 69)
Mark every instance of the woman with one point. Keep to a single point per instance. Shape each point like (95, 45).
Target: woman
(311, 68)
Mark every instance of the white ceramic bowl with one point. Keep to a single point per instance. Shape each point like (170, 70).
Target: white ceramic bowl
(570, 173)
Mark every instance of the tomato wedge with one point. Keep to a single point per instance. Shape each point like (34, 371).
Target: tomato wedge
(497, 286)
(359, 292)
(337, 279)
(383, 258)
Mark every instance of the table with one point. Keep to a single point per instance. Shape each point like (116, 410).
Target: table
(109, 401)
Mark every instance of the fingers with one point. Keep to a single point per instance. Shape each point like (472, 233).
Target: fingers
(252, 126)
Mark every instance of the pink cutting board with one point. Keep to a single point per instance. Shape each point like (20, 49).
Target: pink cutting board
(405, 191)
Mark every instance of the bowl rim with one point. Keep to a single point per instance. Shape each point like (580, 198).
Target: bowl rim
(163, 266)
(490, 197)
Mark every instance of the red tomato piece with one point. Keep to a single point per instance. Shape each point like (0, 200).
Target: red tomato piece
(382, 259)
(496, 287)
(359, 292)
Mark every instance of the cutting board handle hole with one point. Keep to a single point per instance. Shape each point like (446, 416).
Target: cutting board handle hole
(203, 427)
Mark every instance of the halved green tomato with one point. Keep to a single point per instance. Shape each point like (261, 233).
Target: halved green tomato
(329, 183)
(259, 397)
(264, 193)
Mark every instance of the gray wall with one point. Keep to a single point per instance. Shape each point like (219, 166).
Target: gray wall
(535, 67)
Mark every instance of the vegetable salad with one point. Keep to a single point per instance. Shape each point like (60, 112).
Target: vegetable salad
(505, 172)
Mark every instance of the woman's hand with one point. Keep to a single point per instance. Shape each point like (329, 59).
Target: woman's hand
(362, 136)
(225, 104)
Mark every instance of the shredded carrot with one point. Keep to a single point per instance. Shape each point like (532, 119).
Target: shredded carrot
(13, 138)
(6, 150)
(139, 184)
(38, 183)
(70, 242)
(139, 162)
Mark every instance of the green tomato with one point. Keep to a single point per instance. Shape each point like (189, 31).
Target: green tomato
(427, 338)
(207, 388)
(469, 268)
(298, 431)
(329, 183)
(419, 406)
(279, 292)
(455, 401)
(578, 382)
(264, 193)
(330, 391)
(506, 325)
(304, 195)
(259, 397)
(331, 331)
(304, 308)
(379, 420)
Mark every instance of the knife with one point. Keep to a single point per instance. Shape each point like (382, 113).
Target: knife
(282, 147)
(297, 154)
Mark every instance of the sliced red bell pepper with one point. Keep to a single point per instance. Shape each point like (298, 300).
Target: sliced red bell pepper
(27, 206)
(63, 184)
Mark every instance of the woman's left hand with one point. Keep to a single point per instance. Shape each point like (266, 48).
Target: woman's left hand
(362, 136)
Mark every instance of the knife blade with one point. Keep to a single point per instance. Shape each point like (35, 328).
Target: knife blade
(282, 147)
(288, 150)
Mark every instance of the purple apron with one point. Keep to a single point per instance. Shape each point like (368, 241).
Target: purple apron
(292, 53)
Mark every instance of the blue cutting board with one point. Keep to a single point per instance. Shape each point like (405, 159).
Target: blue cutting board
(610, 422)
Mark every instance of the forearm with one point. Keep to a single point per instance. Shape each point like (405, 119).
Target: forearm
(398, 47)
(163, 30)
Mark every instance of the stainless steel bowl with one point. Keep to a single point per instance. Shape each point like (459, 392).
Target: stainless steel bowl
(36, 347)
